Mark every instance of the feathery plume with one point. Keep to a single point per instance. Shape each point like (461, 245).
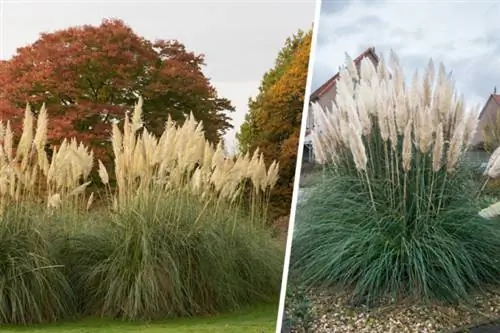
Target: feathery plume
(407, 147)
(103, 173)
(437, 153)
(490, 212)
(357, 149)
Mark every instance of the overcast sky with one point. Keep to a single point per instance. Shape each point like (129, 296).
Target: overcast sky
(464, 36)
(240, 39)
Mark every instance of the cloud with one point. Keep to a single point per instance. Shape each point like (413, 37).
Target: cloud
(464, 36)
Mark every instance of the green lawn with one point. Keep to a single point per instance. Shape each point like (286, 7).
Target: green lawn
(261, 319)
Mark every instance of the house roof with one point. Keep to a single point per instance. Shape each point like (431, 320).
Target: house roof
(493, 97)
(497, 98)
(331, 82)
(478, 140)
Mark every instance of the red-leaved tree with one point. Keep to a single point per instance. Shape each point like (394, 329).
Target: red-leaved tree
(89, 76)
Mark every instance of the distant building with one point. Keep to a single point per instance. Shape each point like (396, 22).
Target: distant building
(488, 115)
(478, 154)
(324, 96)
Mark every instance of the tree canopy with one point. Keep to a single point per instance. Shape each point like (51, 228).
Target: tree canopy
(275, 115)
(89, 76)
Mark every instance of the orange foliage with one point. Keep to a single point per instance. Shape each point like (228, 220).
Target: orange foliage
(278, 120)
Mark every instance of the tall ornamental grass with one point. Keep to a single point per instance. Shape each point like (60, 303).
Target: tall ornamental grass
(33, 286)
(29, 174)
(175, 237)
(179, 243)
(396, 212)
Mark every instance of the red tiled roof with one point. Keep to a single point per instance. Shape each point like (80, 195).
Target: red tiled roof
(328, 84)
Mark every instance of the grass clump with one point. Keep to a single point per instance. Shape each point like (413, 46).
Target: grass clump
(396, 212)
(149, 266)
(33, 286)
(183, 233)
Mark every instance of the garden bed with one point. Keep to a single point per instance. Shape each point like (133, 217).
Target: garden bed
(330, 311)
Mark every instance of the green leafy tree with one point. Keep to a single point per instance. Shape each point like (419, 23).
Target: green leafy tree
(275, 114)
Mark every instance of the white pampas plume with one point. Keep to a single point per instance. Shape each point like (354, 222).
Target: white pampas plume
(490, 212)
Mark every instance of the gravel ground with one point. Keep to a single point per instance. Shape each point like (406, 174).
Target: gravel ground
(333, 314)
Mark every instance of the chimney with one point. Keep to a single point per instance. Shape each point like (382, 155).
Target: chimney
(494, 90)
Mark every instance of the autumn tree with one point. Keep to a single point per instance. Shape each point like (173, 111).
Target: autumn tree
(247, 132)
(275, 114)
(89, 76)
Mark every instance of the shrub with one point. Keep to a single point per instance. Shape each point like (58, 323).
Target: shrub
(396, 213)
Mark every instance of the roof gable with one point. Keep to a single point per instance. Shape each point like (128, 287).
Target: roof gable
(492, 99)
(370, 52)
(487, 115)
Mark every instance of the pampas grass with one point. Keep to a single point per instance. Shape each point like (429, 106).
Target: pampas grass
(395, 213)
(175, 236)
